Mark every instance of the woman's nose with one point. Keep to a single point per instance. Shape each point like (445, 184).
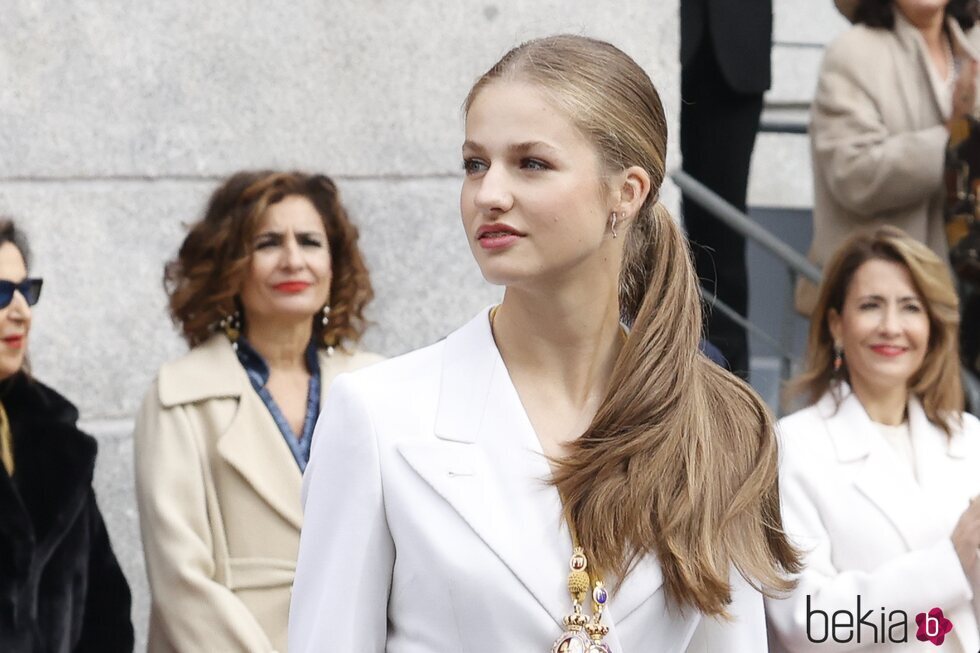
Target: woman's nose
(494, 193)
(18, 310)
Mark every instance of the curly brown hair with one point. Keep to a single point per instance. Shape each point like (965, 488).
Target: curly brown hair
(204, 281)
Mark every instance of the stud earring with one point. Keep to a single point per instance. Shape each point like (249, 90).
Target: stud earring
(232, 326)
(612, 224)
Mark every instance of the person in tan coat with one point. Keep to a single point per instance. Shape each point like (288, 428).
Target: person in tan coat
(888, 90)
(268, 289)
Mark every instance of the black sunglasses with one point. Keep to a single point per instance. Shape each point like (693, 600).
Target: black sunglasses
(29, 288)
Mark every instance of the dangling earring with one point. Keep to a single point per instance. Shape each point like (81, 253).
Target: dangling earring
(325, 320)
(838, 358)
(612, 224)
(232, 326)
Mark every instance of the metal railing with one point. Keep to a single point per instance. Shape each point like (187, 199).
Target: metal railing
(795, 263)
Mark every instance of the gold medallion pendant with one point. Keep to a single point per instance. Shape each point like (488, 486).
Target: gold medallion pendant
(582, 634)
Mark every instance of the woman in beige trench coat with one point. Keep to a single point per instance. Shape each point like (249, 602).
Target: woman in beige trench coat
(268, 289)
(880, 117)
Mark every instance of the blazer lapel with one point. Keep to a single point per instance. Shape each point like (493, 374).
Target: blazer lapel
(881, 477)
(481, 463)
(487, 463)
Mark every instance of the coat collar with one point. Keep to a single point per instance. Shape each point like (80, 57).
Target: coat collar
(854, 436)
(911, 40)
(212, 370)
(881, 475)
(251, 443)
(487, 463)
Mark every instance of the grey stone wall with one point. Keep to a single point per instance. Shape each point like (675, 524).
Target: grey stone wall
(781, 175)
(119, 118)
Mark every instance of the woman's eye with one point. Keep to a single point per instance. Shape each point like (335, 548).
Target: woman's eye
(266, 244)
(534, 164)
(310, 242)
(913, 308)
(867, 306)
(473, 166)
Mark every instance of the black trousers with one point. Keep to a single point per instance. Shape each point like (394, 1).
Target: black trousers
(718, 128)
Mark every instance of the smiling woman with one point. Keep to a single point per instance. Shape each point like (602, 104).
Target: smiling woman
(269, 290)
(879, 474)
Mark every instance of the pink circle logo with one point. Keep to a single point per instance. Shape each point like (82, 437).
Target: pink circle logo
(933, 626)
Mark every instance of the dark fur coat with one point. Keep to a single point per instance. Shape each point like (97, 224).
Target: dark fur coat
(61, 588)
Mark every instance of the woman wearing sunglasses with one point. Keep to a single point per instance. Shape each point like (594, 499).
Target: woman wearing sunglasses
(61, 588)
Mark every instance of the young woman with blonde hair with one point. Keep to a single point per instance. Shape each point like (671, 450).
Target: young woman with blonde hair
(880, 470)
(544, 479)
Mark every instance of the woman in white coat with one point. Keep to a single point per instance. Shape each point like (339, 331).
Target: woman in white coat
(438, 482)
(880, 472)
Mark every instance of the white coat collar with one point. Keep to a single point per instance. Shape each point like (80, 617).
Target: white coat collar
(479, 406)
(853, 434)
(881, 475)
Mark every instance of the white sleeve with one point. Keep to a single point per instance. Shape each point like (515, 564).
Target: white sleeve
(346, 554)
(744, 633)
(914, 582)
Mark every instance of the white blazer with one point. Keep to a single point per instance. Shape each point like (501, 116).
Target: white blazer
(872, 529)
(429, 526)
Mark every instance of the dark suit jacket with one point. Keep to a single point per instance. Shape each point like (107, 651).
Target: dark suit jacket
(741, 33)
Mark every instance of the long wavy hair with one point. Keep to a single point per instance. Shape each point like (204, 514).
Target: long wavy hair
(204, 281)
(680, 459)
(937, 383)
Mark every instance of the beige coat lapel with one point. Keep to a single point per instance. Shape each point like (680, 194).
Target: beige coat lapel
(914, 46)
(251, 443)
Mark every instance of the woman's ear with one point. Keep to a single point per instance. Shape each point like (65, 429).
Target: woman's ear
(633, 192)
(834, 324)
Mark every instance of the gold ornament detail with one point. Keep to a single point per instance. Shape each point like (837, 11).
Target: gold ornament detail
(583, 634)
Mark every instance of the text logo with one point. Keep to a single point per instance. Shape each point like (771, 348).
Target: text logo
(874, 625)
(933, 626)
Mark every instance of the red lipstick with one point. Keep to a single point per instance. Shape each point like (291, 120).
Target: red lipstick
(14, 342)
(888, 350)
(292, 286)
(497, 236)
